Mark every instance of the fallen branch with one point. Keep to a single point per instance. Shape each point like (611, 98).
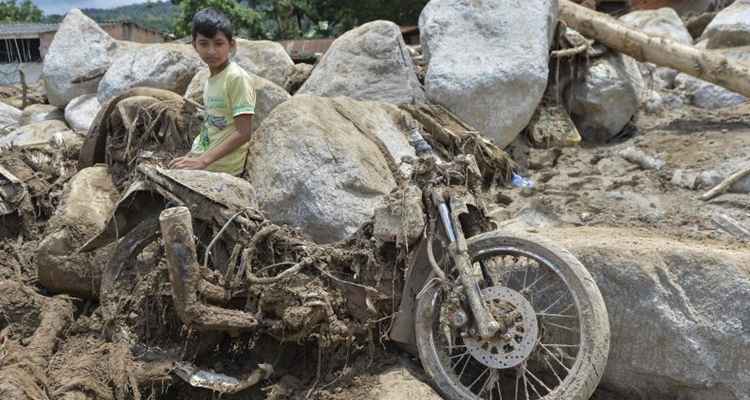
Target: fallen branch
(704, 65)
(725, 184)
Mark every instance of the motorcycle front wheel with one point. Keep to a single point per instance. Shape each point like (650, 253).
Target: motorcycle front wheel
(554, 339)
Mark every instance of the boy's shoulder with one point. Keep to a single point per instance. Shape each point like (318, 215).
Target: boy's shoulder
(235, 71)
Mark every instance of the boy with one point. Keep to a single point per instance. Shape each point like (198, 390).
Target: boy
(228, 97)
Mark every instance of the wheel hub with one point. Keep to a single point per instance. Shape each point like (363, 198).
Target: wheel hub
(519, 331)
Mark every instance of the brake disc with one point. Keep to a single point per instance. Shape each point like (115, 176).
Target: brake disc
(510, 346)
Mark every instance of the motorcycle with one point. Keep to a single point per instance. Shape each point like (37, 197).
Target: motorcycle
(490, 314)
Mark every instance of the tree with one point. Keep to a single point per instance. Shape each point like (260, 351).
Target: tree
(246, 21)
(24, 12)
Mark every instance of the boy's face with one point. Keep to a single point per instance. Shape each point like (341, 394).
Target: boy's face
(213, 51)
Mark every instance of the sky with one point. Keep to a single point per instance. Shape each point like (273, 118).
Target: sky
(62, 6)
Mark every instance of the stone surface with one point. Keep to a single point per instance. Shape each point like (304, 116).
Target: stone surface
(39, 113)
(313, 168)
(607, 99)
(87, 203)
(264, 58)
(268, 95)
(297, 76)
(662, 22)
(488, 61)
(678, 312)
(161, 66)
(9, 118)
(80, 49)
(399, 383)
(81, 112)
(730, 28)
(707, 95)
(45, 135)
(401, 218)
(370, 62)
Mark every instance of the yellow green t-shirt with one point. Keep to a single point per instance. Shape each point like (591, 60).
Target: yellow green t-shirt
(225, 96)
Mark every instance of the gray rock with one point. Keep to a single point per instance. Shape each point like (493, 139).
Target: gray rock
(370, 62)
(608, 98)
(87, 203)
(297, 77)
(678, 313)
(663, 22)
(655, 102)
(161, 66)
(81, 112)
(268, 95)
(45, 135)
(313, 168)
(80, 49)
(41, 112)
(401, 218)
(488, 60)
(730, 28)
(9, 118)
(264, 58)
(707, 95)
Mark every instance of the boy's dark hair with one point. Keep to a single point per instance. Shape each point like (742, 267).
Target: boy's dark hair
(208, 22)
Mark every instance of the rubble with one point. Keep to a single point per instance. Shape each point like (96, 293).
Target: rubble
(81, 49)
(707, 95)
(371, 63)
(494, 87)
(297, 76)
(730, 27)
(46, 136)
(9, 118)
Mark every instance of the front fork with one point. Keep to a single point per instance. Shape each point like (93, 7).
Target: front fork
(486, 324)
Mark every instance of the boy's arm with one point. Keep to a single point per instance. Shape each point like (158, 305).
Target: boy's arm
(243, 122)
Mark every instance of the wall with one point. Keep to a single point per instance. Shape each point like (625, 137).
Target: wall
(132, 32)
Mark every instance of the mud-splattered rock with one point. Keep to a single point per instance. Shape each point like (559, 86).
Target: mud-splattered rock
(607, 99)
(297, 76)
(730, 28)
(87, 203)
(401, 218)
(268, 94)
(44, 135)
(677, 312)
(663, 22)
(161, 66)
(370, 62)
(488, 60)
(400, 383)
(707, 95)
(81, 112)
(316, 163)
(41, 112)
(80, 49)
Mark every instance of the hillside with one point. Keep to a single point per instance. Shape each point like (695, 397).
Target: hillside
(154, 15)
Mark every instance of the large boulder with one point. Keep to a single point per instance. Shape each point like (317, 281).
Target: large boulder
(707, 95)
(370, 62)
(9, 118)
(80, 49)
(87, 203)
(81, 112)
(39, 113)
(324, 164)
(663, 22)
(730, 28)
(162, 66)
(678, 312)
(264, 58)
(607, 99)
(488, 60)
(268, 94)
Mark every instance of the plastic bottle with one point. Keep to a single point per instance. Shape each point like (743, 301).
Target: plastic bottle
(521, 182)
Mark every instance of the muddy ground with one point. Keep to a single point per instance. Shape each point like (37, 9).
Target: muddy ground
(579, 186)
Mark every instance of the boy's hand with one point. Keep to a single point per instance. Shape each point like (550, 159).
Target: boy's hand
(186, 162)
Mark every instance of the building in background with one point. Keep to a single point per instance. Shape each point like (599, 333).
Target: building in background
(24, 45)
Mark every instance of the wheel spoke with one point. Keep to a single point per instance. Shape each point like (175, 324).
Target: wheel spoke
(555, 358)
(556, 315)
(499, 389)
(563, 327)
(554, 303)
(478, 379)
(525, 385)
(539, 381)
(553, 370)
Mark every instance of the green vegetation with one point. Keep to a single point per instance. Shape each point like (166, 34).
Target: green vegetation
(264, 19)
(26, 11)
